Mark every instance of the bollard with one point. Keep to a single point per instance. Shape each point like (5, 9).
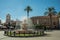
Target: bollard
(29, 33)
(10, 33)
(40, 32)
(24, 33)
(7, 32)
(4, 32)
(34, 34)
(19, 34)
(37, 33)
(14, 33)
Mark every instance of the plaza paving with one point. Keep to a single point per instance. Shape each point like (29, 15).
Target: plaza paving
(51, 35)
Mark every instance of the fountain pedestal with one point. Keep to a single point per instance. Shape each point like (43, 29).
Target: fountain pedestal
(24, 27)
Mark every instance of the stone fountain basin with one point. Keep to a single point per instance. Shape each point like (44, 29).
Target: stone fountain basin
(24, 31)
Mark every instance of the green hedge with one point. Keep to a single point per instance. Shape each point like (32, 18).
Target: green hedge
(39, 26)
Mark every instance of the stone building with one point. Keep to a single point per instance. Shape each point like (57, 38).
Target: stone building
(8, 18)
(45, 20)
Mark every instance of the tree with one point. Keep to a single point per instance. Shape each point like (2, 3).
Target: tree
(58, 14)
(39, 26)
(28, 9)
(50, 11)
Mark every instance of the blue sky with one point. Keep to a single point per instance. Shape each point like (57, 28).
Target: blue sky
(16, 7)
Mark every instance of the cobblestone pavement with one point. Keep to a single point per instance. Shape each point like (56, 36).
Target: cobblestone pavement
(51, 35)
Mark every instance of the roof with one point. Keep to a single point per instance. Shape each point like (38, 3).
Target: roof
(42, 16)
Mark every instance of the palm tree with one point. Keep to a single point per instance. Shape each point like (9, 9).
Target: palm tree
(28, 9)
(50, 11)
(58, 14)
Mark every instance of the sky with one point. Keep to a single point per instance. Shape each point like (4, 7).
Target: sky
(16, 8)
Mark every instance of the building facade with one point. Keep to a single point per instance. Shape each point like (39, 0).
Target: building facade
(8, 18)
(45, 20)
(0, 21)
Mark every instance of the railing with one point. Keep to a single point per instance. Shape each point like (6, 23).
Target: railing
(19, 34)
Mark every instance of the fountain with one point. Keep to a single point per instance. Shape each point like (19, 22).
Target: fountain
(26, 26)
(26, 29)
(27, 23)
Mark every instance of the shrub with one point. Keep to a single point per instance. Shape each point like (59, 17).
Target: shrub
(39, 26)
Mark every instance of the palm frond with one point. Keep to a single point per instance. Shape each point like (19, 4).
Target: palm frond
(24, 9)
(46, 13)
(53, 12)
(50, 10)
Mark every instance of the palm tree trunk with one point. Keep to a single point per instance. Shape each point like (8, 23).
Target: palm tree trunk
(27, 14)
(58, 23)
(51, 22)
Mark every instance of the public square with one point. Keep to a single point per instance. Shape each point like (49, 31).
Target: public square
(29, 19)
(50, 35)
